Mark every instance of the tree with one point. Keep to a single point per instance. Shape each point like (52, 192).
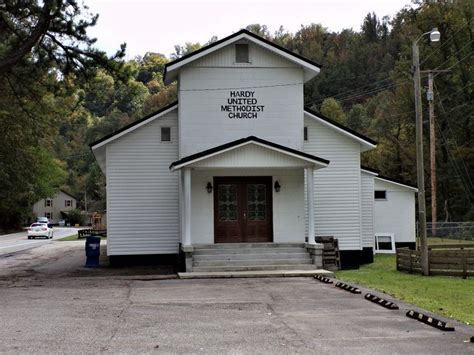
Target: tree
(357, 118)
(50, 32)
(333, 109)
(44, 52)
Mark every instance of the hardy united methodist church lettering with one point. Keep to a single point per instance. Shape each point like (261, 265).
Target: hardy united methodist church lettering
(242, 104)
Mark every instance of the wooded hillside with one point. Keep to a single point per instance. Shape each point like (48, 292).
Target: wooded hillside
(59, 93)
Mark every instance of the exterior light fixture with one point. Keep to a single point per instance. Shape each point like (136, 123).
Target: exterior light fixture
(277, 186)
(209, 187)
(435, 35)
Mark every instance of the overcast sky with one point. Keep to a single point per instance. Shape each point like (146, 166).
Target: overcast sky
(157, 25)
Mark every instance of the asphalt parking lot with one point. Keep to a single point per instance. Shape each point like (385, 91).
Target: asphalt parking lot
(46, 309)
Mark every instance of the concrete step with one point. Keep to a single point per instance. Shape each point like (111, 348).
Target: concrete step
(247, 245)
(248, 256)
(252, 268)
(240, 274)
(251, 262)
(243, 251)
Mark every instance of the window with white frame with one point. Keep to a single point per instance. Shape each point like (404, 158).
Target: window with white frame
(384, 243)
(48, 215)
(48, 202)
(67, 203)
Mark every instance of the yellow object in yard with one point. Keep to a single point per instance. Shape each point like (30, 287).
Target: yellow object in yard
(76, 225)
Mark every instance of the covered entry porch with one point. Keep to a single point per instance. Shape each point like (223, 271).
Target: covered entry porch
(247, 194)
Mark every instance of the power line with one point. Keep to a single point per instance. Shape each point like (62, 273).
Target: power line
(242, 87)
(459, 61)
(440, 102)
(455, 165)
(349, 91)
(459, 50)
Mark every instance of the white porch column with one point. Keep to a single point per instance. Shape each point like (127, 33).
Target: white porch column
(187, 207)
(310, 189)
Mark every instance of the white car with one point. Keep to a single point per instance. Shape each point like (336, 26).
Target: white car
(40, 230)
(42, 220)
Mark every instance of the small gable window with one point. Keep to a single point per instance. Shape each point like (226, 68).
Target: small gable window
(242, 53)
(165, 134)
(380, 194)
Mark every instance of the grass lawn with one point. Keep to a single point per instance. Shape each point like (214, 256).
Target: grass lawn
(448, 296)
(75, 237)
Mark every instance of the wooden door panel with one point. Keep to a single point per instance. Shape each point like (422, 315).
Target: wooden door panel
(227, 211)
(243, 209)
(258, 202)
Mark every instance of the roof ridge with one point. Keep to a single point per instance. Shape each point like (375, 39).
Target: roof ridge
(341, 126)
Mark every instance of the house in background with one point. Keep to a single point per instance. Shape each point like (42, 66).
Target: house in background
(238, 174)
(52, 207)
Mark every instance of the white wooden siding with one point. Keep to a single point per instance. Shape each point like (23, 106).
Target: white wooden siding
(367, 211)
(395, 214)
(203, 90)
(251, 156)
(337, 187)
(259, 57)
(142, 194)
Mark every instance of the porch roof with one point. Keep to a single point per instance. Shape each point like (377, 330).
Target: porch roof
(263, 154)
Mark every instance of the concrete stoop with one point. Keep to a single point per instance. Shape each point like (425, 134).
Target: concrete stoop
(252, 260)
(253, 274)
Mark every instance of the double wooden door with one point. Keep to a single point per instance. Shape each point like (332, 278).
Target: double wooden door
(243, 209)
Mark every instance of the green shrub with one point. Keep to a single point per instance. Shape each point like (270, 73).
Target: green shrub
(75, 217)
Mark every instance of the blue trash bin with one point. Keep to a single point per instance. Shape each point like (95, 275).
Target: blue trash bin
(92, 251)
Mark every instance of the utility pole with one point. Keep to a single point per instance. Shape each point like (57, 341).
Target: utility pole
(419, 163)
(434, 207)
(430, 99)
(425, 266)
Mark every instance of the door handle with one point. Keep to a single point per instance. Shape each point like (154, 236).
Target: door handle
(245, 214)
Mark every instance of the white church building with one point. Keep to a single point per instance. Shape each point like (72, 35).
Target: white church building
(238, 168)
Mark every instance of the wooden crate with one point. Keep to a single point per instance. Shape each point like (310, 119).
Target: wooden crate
(331, 255)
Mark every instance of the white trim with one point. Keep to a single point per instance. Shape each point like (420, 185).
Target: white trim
(316, 162)
(310, 193)
(397, 183)
(392, 239)
(187, 207)
(176, 66)
(369, 172)
(340, 130)
(118, 135)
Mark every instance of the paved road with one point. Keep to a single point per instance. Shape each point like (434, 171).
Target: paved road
(49, 303)
(11, 243)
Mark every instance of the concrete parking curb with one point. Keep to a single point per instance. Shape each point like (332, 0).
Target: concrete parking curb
(324, 279)
(436, 323)
(348, 288)
(380, 301)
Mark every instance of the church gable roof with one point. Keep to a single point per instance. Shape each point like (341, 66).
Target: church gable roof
(310, 68)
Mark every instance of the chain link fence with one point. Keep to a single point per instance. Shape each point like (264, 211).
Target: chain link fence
(451, 230)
